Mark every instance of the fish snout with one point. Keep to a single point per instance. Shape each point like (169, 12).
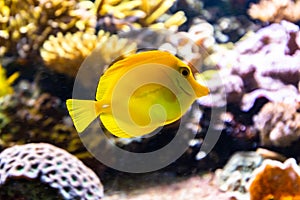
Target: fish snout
(200, 90)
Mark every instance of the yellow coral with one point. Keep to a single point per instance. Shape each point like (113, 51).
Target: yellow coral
(65, 53)
(5, 83)
(147, 13)
(274, 180)
(276, 10)
(119, 8)
(28, 23)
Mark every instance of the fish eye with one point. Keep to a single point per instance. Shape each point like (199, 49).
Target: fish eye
(184, 71)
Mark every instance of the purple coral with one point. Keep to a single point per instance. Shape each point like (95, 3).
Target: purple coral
(53, 166)
(267, 61)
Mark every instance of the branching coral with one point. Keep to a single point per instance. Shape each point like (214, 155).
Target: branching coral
(263, 67)
(5, 83)
(276, 180)
(65, 53)
(23, 32)
(276, 10)
(53, 166)
(266, 61)
(278, 123)
(155, 9)
(140, 13)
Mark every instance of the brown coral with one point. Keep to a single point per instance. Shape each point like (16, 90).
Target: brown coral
(28, 115)
(276, 10)
(278, 123)
(53, 166)
(65, 53)
(276, 180)
(23, 32)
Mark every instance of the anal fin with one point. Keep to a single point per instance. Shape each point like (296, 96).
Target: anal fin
(112, 126)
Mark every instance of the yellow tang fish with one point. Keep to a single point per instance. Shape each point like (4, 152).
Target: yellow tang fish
(138, 94)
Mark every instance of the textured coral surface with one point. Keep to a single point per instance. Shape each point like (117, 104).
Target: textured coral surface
(276, 180)
(53, 166)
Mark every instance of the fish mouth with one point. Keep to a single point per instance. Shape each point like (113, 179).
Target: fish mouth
(186, 92)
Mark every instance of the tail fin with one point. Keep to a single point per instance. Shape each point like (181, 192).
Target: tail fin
(82, 112)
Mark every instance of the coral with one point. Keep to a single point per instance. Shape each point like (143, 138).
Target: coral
(284, 93)
(262, 67)
(278, 123)
(232, 28)
(275, 180)
(29, 116)
(5, 83)
(154, 11)
(119, 9)
(65, 53)
(237, 172)
(268, 154)
(23, 32)
(53, 166)
(202, 33)
(266, 62)
(127, 15)
(232, 84)
(192, 45)
(276, 10)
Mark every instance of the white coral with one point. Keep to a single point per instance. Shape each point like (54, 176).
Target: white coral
(53, 166)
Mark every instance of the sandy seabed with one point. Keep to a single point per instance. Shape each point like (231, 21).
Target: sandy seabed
(164, 187)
